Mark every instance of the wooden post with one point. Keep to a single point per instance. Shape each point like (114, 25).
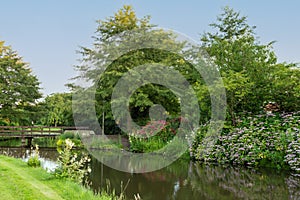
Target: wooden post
(103, 123)
(29, 141)
(23, 141)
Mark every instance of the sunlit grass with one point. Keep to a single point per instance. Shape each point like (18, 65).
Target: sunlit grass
(18, 181)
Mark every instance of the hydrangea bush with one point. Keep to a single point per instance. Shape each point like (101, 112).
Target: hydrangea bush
(293, 151)
(267, 140)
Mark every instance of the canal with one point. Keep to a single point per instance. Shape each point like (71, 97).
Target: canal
(184, 180)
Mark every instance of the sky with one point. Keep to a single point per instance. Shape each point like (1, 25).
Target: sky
(48, 33)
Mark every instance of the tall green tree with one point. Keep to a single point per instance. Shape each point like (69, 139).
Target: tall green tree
(118, 34)
(19, 88)
(248, 67)
(285, 86)
(57, 109)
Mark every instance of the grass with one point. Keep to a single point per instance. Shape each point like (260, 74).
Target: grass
(20, 182)
(11, 142)
(102, 142)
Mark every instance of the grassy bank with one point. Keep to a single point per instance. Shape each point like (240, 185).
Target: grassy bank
(18, 181)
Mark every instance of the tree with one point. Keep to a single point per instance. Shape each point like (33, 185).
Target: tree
(248, 68)
(19, 88)
(58, 110)
(120, 33)
(285, 86)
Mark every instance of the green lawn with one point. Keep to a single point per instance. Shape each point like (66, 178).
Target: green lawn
(20, 182)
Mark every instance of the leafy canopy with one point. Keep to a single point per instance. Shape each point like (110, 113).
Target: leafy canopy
(114, 54)
(251, 74)
(19, 88)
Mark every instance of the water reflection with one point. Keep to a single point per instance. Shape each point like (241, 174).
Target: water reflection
(188, 180)
(185, 180)
(48, 156)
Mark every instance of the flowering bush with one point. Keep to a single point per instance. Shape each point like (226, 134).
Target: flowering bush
(154, 136)
(70, 166)
(293, 151)
(269, 140)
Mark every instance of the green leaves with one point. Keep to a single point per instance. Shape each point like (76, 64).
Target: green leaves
(115, 55)
(123, 20)
(269, 140)
(19, 88)
(252, 77)
(72, 166)
(57, 110)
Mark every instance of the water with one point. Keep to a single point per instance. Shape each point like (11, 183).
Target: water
(186, 180)
(48, 156)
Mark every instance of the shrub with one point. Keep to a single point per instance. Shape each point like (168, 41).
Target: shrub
(268, 140)
(292, 156)
(75, 138)
(70, 165)
(154, 135)
(70, 135)
(33, 160)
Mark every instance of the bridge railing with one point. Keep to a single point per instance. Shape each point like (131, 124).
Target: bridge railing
(36, 130)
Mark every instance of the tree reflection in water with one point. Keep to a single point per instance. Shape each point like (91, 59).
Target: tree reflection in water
(188, 180)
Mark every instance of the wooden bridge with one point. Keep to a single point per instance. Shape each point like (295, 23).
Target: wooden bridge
(30, 132)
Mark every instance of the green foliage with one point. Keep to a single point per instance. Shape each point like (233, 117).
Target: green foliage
(154, 136)
(21, 182)
(74, 137)
(103, 142)
(45, 142)
(268, 140)
(292, 156)
(251, 75)
(33, 160)
(58, 110)
(110, 68)
(70, 135)
(62, 142)
(252, 78)
(123, 20)
(70, 165)
(19, 89)
(285, 87)
(149, 145)
(11, 143)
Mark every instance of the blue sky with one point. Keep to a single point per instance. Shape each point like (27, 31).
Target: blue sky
(48, 33)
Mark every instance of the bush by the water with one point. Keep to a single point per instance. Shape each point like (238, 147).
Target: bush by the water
(292, 156)
(75, 138)
(154, 136)
(72, 166)
(33, 160)
(267, 140)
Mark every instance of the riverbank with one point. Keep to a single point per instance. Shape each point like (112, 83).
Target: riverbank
(269, 140)
(18, 181)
